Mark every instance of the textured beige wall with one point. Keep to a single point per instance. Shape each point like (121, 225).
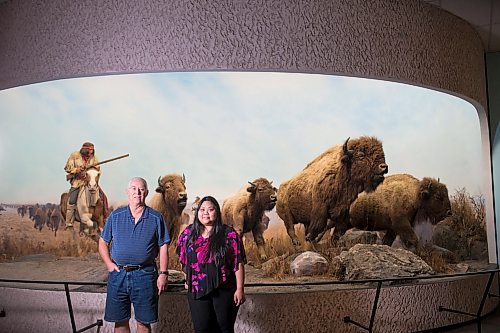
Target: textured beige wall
(408, 308)
(408, 41)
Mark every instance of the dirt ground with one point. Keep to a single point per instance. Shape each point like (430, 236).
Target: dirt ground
(29, 254)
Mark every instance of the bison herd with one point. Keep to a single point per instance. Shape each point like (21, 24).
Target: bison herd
(43, 215)
(344, 187)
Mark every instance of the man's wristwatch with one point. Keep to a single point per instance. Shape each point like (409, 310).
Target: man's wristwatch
(163, 272)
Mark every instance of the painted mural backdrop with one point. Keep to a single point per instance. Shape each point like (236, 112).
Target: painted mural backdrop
(221, 130)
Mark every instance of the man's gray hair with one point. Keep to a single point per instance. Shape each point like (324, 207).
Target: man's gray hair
(138, 179)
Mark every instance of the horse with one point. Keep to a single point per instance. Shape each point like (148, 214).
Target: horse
(91, 205)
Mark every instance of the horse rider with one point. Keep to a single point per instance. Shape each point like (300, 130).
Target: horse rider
(76, 166)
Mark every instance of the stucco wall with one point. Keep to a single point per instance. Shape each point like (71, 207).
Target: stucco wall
(407, 308)
(407, 41)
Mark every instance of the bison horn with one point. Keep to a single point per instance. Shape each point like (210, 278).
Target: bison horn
(347, 156)
(183, 178)
(252, 189)
(159, 181)
(344, 147)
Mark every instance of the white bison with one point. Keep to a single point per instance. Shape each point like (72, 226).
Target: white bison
(170, 200)
(245, 210)
(399, 204)
(323, 191)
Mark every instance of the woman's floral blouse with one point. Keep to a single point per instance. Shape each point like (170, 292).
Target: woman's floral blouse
(203, 275)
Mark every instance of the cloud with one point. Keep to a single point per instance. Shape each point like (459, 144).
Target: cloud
(223, 129)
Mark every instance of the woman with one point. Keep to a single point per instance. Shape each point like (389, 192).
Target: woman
(213, 258)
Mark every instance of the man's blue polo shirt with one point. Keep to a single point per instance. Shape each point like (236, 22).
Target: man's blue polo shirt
(135, 243)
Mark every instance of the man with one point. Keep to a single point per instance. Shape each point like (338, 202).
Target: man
(138, 234)
(76, 166)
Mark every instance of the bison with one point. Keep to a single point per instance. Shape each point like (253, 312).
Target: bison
(40, 217)
(399, 204)
(21, 210)
(54, 220)
(245, 210)
(170, 200)
(31, 211)
(323, 191)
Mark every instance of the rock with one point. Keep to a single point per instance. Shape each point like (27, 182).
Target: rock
(445, 254)
(459, 268)
(309, 263)
(478, 250)
(446, 237)
(365, 261)
(355, 236)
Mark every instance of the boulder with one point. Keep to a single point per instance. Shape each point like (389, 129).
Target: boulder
(445, 254)
(466, 248)
(364, 261)
(478, 250)
(444, 236)
(309, 263)
(355, 236)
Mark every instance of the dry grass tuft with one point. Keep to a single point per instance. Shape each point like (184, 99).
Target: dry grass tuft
(468, 215)
(279, 247)
(436, 260)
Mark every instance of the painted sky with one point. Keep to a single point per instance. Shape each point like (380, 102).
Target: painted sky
(224, 129)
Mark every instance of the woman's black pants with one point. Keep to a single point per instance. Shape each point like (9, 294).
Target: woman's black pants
(215, 312)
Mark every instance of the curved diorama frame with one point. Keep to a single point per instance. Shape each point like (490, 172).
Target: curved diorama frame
(403, 41)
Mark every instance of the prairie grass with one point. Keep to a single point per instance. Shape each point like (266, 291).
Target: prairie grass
(468, 220)
(12, 248)
(468, 215)
(434, 259)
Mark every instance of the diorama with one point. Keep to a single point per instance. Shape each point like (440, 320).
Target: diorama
(346, 178)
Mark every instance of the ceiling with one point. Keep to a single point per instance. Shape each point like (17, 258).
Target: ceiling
(484, 15)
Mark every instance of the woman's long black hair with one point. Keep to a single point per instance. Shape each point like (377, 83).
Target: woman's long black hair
(217, 238)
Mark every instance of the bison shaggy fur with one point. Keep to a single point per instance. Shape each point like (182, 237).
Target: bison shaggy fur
(170, 200)
(398, 204)
(245, 210)
(323, 191)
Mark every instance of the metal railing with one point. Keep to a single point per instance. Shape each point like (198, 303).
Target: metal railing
(66, 284)
(396, 282)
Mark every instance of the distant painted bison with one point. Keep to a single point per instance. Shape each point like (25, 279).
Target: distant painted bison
(40, 217)
(170, 200)
(326, 187)
(398, 205)
(54, 220)
(21, 210)
(245, 210)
